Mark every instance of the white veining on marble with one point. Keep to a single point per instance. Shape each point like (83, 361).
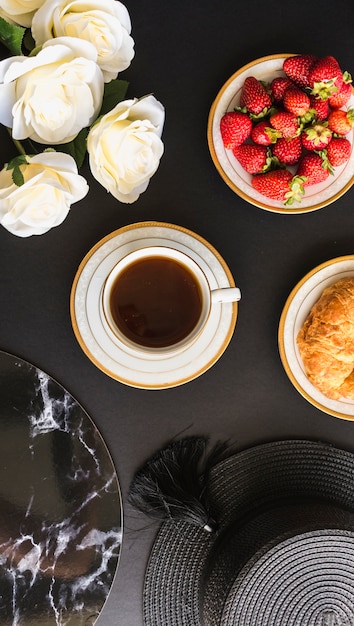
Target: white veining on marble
(53, 410)
(59, 549)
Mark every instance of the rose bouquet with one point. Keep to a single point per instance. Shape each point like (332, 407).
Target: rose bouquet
(62, 101)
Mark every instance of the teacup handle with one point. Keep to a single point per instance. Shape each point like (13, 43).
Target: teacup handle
(226, 294)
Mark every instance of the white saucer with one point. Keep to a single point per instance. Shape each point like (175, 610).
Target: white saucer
(111, 356)
(297, 307)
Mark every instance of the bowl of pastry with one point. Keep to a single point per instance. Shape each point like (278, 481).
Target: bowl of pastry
(316, 337)
(273, 132)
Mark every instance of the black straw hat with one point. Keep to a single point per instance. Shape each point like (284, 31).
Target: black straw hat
(282, 551)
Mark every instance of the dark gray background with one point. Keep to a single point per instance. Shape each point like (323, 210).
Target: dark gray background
(185, 51)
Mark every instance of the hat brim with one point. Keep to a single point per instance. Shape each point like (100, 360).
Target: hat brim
(247, 482)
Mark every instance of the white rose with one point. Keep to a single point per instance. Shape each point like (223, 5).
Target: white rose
(105, 23)
(50, 97)
(20, 11)
(125, 147)
(51, 184)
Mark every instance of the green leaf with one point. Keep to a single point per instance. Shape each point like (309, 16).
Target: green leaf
(114, 92)
(75, 148)
(28, 41)
(18, 160)
(15, 166)
(11, 35)
(17, 176)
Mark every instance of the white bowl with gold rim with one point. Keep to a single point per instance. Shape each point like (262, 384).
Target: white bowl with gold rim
(297, 307)
(316, 196)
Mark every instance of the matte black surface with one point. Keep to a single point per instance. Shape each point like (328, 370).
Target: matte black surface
(185, 51)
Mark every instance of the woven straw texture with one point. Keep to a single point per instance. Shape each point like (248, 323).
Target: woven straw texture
(307, 580)
(297, 492)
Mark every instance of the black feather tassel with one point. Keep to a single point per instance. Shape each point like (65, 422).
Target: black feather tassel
(173, 483)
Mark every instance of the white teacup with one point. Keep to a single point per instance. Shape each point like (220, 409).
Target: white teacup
(157, 300)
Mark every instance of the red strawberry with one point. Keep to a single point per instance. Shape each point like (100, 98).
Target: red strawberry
(343, 95)
(254, 159)
(316, 137)
(254, 96)
(279, 185)
(278, 86)
(340, 121)
(288, 151)
(313, 168)
(287, 123)
(338, 151)
(324, 69)
(320, 108)
(263, 134)
(235, 128)
(325, 77)
(296, 101)
(297, 68)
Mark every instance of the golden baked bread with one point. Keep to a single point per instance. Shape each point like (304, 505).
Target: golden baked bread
(326, 341)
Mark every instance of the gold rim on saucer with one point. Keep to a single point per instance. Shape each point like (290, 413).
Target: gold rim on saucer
(113, 358)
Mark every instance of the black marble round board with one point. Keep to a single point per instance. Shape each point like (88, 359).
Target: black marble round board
(60, 504)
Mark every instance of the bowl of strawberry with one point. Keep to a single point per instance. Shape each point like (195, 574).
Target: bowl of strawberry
(281, 132)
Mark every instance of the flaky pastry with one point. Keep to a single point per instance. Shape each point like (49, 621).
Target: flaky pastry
(326, 341)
